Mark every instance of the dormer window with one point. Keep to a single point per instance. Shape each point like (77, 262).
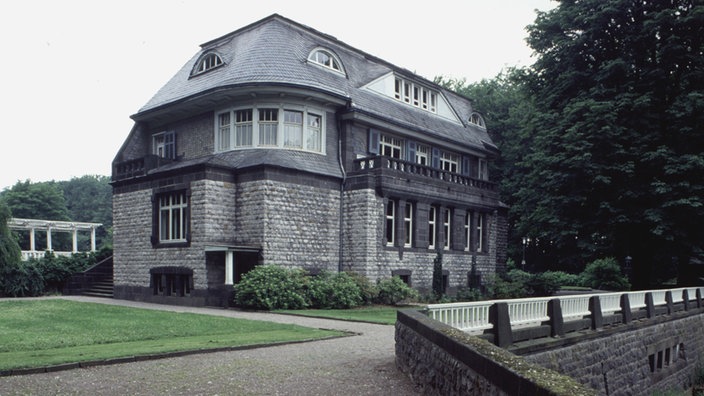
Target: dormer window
(207, 62)
(415, 95)
(477, 120)
(326, 59)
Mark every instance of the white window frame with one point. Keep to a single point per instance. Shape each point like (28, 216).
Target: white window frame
(432, 227)
(173, 224)
(393, 144)
(207, 62)
(390, 222)
(446, 223)
(415, 95)
(312, 128)
(467, 231)
(293, 128)
(480, 232)
(326, 59)
(164, 144)
(224, 131)
(449, 162)
(408, 225)
(423, 155)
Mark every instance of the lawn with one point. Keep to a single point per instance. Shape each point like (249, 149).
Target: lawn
(41, 333)
(375, 314)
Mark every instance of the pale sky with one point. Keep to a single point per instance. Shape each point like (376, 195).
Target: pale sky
(73, 72)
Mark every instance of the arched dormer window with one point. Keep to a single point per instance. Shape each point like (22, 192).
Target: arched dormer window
(477, 119)
(326, 59)
(207, 62)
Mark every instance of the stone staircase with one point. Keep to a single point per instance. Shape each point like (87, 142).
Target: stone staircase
(95, 281)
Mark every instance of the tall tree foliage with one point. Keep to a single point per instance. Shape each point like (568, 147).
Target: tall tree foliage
(9, 249)
(616, 166)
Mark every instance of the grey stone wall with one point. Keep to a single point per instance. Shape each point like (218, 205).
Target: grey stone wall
(444, 361)
(365, 252)
(296, 225)
(620, 363)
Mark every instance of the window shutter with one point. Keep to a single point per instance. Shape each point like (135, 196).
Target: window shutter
(411, 151)
(373, 141)
(465, 166)
(436, 158)
(170, 145)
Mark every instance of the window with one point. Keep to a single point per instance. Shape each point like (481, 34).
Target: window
(446, 228)
(449, 162)
(390, 146)
(268, 123)
(314, 133)
(164, 144)
(408, 225)
(423, 155)
(207, 62)
(432, 217)
(290, 127)
(293, 129)
(415, 95)
(483, 170)
(327, 59)
(467, 231)
(171, 281)
(477, 119)
(243, 128)
(224, 131)
(390, 221)
(172, 217)
(480, 232)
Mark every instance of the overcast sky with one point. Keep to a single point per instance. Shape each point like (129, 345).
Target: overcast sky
(73, 72)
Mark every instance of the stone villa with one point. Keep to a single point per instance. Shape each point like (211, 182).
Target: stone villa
(279, 144)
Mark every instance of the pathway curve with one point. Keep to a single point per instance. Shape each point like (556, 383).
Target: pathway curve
(358, 365)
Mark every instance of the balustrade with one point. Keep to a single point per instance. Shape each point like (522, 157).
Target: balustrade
(474, 317)
(379, 162)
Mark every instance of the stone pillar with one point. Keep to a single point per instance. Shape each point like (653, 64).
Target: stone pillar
(32, 245)
(556, 321)
(229, 267)
(92, 239)
(75, 240)
(48, 239)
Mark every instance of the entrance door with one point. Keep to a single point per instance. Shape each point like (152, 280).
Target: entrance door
(244, 262)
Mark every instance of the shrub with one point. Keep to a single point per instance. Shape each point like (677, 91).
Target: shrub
(367, 290)
(468, 294)
(334, 291)
(604, 274)
(22, 280)
(548, 282)
(269, 287)
(393, 290)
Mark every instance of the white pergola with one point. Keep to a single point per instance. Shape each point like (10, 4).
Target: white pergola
(49, 226)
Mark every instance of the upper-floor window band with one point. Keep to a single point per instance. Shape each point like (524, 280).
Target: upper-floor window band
(207, 62)
(292, 127)
(326, 59)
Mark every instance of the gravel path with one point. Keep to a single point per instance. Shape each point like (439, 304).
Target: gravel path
(358, 365)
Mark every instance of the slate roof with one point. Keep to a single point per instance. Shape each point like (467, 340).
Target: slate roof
(274, 51)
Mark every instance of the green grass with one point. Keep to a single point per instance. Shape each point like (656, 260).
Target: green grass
(49, 332)
(376, 314)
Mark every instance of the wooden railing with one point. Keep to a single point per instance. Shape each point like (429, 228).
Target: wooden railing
(478, 318)
(137, 167)
(412, 168)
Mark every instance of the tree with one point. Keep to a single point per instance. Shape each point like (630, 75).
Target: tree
(616, 165)
(89, 199)
(10, 253)
(36, 201)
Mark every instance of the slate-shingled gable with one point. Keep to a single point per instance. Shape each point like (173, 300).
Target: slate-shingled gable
(275, 51)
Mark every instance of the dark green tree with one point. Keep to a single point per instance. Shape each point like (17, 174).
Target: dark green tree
(616, 164)
(43, 200)
(10, 253)
(89, 199)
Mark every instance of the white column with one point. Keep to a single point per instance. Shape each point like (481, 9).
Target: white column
(48, 239)
(229, 267)
(31, 240)
(75, 240)
(92, 239)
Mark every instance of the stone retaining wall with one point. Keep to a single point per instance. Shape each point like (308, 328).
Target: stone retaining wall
(441, 360)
